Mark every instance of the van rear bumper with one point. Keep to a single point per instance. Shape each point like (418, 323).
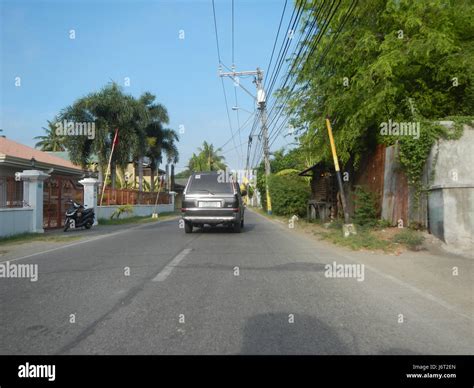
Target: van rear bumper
(201, 216)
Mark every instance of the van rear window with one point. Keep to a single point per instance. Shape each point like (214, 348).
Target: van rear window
(205, 183)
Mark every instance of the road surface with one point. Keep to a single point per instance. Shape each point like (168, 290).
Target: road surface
(263, 291)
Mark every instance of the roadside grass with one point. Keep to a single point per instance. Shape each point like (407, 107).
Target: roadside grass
(381, 237)
(137, 219)
(365, 239)
(412, 239)
(30, 237)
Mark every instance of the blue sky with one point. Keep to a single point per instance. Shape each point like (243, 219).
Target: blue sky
(139, 40)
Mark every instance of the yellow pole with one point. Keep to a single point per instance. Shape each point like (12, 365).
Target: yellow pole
(269, 201)
(338, 172)
(333, 145)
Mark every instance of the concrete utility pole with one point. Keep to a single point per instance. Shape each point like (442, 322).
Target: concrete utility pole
(347, 228)
(261, 101)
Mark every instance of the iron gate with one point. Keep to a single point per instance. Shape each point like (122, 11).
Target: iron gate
(57, 191)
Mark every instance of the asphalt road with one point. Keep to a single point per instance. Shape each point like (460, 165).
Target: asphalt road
(263, 291)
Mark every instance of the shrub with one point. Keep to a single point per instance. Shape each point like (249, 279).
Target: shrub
(383, 223)
(121, 210)
(365, 212)
(250, 191)
(408, 237)
(289, 194)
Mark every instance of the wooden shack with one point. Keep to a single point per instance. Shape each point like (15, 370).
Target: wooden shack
(323, 202)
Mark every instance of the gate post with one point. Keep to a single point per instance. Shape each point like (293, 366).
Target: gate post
(172, 197)
(33, 188)
(90, 195)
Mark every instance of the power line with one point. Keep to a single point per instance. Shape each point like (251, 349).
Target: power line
(228, 114)
(327, 49)
(233, 62)
(238, 130)
(303, 58)
(298, 59)
(215, 31)
(298, 55)
(284, 50)
(324, 54)
(276, 39)
(221, 64)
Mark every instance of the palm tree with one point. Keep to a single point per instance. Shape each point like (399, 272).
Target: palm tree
(108, 109)
(163, 142)
(159, 140)
(196, 163)
(51, 141)
(209, 158)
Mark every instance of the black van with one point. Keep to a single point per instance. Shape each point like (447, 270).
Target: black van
(211, 198)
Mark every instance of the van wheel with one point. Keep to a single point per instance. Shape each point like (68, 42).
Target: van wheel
(188, 227)
(238, 227)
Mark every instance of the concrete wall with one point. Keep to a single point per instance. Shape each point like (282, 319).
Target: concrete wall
(138, 210)
(395, 189)
(15, 221)
(436, 213)
(451, 194)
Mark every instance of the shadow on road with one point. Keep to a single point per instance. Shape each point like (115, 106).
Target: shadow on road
(273, 334)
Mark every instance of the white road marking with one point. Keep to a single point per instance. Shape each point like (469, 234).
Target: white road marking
(81, 242)
(401, 283)
(165, 272)
(416, 290)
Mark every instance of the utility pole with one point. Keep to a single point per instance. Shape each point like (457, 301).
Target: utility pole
(347, 228)
(261, 101)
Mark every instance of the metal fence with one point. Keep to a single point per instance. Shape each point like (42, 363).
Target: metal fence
(132, 197)
(57, 191)
(11, 192)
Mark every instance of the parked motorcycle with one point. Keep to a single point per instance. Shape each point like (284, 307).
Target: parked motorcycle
(78, 216)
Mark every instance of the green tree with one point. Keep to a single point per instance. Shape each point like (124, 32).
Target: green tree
(207, 159)
(279, 161)
(51, 141)
(108, 109)
(290, 194)
(159, 140)
(390, 57)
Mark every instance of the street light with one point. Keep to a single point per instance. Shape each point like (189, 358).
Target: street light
(239, 108)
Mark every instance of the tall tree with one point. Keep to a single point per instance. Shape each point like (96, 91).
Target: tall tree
(159, 140)
(208, 159)
(390, 59)
(108, 109)
(51, 141)
(161, 143)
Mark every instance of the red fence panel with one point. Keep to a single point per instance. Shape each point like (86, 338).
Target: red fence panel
(11, 192)
(132, 197)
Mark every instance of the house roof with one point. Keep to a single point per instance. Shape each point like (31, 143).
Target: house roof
(65, 155)
(19, 155)
(309, 171)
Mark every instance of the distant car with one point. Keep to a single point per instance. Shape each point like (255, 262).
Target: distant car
(210, 200)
